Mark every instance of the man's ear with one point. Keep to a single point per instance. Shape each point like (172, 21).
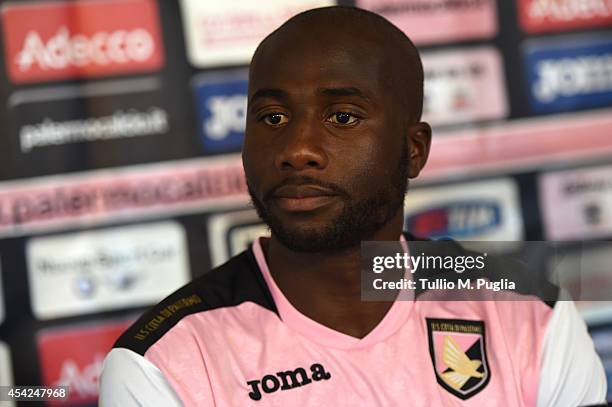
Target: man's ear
(419, 142)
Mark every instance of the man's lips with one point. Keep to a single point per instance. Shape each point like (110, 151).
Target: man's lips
(300, 198)
(301, 191)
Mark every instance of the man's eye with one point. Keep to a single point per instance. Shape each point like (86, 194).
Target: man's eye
(275, 119)
(342, 118)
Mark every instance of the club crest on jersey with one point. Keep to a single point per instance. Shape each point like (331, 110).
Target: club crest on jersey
(458, 353)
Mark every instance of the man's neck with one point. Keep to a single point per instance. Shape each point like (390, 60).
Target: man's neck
(326, 287)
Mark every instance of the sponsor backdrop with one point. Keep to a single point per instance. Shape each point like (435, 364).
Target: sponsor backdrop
(122, 121)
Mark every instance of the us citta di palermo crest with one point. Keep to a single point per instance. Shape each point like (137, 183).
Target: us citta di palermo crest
(458, 352)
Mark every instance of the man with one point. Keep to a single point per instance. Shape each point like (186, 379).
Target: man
(333, 134)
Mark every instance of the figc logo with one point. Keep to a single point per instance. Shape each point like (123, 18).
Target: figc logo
(458, 219)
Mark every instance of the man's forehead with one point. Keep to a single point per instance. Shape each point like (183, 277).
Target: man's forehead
(312, 64)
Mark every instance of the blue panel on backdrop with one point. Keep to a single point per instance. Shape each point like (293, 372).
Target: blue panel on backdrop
(221, 100)
(569, 73)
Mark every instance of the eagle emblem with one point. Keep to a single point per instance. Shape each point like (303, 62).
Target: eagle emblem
(458, 353)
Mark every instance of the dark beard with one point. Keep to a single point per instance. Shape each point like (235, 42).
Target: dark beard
(358, 220)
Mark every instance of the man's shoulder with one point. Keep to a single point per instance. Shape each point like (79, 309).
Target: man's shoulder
(230, 284)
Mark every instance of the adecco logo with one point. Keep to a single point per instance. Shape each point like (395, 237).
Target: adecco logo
(73, 356)
(63, 40)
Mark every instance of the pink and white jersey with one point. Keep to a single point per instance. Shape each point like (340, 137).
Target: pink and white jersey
(231, 338)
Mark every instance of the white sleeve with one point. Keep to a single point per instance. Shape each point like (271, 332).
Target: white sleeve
(128, 379)
(571, 373)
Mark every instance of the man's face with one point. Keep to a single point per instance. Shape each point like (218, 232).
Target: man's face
(325, 150)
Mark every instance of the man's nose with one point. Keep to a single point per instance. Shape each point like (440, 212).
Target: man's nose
(303, 146)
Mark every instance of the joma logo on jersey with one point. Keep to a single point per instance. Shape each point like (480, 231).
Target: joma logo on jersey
(287, 380)
(456, 219)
